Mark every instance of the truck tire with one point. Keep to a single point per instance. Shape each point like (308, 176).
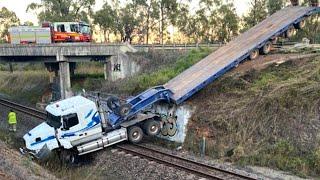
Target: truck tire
(113, 103)
(135, 134)
(300, 25)
(69, 157)
(124, 110)
(266, 48)
(254, 54)
(290, 32)
(151, 127)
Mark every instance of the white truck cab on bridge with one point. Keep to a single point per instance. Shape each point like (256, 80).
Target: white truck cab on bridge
(77, 126)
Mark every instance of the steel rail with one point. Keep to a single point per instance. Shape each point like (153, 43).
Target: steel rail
(24, 109)
(197, 171)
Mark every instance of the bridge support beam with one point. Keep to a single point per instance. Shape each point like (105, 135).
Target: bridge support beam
(64, 76)
(64, 80)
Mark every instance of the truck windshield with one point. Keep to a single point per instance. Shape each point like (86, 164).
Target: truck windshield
(84, 29)
(53, 121)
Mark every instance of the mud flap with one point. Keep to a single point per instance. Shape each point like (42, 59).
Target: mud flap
(43, 153)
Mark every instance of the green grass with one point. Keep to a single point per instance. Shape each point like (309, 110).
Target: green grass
(136, 84)
(285, 156)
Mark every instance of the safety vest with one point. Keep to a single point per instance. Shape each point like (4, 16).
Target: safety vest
(12, 118)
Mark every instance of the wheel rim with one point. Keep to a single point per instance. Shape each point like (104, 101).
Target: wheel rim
(254, 54)
(302, 23)
(154, 129)
(267, 48)
(135, 135)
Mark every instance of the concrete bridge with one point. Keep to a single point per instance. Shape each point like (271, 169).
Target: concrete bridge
(61, 58)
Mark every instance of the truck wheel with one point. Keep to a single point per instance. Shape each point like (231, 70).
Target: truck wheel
(135, 134)
(113, 103)
(124, 110)
(300, 25)
(290, 32)
(69, 157)
(254, 54)
(266, 48)
(151, 127)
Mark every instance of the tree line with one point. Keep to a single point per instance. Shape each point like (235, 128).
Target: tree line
(147, 21)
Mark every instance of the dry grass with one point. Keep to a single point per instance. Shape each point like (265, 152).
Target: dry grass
(26, 86)
(244, 115)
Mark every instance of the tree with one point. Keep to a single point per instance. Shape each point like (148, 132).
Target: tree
(214, 21)
(188, 24)
(128, 22)
(275, 5)
(167, 10)
(227, 23)
(28, 23)
(148, 14)
(257, 13)
(105, 18)
(62, 10)
(7, 19)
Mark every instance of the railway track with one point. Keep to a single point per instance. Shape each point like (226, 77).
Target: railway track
(24, 109)
(200, 169)
(194, 167)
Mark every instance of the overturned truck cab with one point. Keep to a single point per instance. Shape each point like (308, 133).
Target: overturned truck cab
(78, 125)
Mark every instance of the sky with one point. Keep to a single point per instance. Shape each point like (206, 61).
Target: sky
(20, 6)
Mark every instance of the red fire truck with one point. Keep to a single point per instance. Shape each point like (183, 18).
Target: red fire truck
(56, 32)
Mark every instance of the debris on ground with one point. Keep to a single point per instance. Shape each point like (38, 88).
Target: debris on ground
(303, 47)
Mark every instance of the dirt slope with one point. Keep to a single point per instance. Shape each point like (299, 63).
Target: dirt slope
(14, 166)
(266, 116)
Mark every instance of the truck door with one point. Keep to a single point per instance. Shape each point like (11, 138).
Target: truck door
(71, 128)
(78, 130)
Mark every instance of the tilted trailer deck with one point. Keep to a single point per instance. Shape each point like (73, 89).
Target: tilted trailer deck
(216, 64)
(78, 125)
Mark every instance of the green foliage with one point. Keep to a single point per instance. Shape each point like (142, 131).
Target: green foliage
(62, 10)
(285, 156)
(7, 19)
(162, 76)
(227, 23)
(214, 21)
(106, 18)
(275, 5)
(257, 13)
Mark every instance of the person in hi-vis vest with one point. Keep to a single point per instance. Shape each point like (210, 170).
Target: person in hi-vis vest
(12, 121)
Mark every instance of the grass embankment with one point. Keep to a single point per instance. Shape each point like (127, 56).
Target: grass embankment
(154, 73)
(267, 118)
(26, 86)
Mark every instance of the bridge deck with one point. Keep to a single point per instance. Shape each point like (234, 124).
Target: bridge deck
(216, 64)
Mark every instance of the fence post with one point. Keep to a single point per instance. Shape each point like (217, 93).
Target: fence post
(203, 147)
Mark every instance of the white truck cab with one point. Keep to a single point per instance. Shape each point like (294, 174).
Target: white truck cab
(75, 125)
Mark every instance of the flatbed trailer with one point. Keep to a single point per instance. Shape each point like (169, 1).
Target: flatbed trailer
(183, 86)
(216, 64)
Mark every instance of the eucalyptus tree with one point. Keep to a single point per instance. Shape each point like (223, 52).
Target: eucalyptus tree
(62, 10)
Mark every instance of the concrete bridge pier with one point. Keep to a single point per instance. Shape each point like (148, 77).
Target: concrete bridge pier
(65, 80)
(61, 79)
